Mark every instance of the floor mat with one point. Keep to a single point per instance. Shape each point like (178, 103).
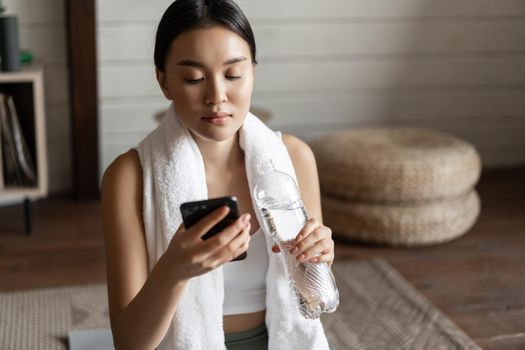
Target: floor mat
(378, 310)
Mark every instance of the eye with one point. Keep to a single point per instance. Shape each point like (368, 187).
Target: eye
(193, 81)
(233, 77)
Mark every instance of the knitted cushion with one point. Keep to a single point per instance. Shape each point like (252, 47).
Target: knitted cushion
(395, 164)
(408, 225)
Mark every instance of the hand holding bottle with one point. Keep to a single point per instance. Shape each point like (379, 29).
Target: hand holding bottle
(313, 244)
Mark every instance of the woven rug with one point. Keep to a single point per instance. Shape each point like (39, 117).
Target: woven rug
(378, 310)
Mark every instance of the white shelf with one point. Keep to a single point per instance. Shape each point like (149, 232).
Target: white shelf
(32, 74)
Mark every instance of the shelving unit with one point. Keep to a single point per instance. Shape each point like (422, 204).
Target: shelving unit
(27, 89)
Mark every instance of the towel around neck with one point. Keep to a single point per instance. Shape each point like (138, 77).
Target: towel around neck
(173, 173)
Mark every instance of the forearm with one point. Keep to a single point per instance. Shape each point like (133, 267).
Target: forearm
(145, 320)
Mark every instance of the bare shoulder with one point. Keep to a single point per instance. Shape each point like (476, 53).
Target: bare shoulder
(124, 170)
(303, 161)
(122, 225)
(301, 154)
(122, 191)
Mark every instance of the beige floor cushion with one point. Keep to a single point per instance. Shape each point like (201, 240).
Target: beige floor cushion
(395, 164)
(415, 224)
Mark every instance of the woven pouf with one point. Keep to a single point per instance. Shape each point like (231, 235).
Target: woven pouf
(398, 186)
(402, 225)
(395, 164)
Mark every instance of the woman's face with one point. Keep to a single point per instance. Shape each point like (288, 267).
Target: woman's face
(209, 77)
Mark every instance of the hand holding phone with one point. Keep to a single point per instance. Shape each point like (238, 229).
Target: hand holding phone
(192, 212)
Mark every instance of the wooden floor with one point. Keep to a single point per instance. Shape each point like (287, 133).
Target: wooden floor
(477, 280)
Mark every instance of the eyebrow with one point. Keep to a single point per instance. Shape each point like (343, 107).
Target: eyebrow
(192, 63)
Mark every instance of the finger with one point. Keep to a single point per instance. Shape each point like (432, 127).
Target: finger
(223, 238)
(310, 225)
(316, 250)
(207, 260)
(325, 257)
(243, 248)
(238, 245)
(308, 241)
(206, 223)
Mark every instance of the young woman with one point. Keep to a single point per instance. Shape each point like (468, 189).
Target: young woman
(205, 64)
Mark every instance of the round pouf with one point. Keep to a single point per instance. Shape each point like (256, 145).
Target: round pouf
(402, 225)
(395, 164)
(398, 186)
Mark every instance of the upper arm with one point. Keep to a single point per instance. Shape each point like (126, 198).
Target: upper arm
(126, 256)
(303, 160)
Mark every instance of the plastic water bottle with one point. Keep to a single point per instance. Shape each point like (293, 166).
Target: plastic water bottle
(281, 207)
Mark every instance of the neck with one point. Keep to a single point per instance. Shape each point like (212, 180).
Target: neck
(221, 156)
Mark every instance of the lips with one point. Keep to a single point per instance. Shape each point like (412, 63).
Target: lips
(217, 117)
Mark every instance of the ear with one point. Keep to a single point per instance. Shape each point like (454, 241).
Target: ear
(163, 83)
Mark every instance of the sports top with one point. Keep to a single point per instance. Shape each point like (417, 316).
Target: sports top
(245, 280)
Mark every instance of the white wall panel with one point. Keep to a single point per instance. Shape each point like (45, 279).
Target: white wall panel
(381, 74)
(126, 43)
(136, 43)
(129, 80)
(127, 118)
(288, 110)
(115, 144)
(499, 144)
(333, 64)
(128, 11)
(395, 38)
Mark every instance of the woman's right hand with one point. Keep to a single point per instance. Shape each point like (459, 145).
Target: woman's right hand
(191, 256)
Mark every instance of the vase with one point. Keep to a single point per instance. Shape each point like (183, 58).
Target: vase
(9, 46)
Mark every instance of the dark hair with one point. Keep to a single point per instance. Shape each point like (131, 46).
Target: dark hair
(184, 15)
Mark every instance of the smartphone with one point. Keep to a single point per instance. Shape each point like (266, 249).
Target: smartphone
(194, 211)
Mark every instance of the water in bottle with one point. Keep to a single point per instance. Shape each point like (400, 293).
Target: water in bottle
(281, 207)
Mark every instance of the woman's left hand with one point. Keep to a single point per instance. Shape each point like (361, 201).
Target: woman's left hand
(313, 244)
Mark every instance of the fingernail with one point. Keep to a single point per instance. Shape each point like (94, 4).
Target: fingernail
(313, 260)
(246, 218)
(301, 257)
(298, 238)
(294, 250)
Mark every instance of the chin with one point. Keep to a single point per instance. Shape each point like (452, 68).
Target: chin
(218, 135)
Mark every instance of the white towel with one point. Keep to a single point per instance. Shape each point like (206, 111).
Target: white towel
(173, 173)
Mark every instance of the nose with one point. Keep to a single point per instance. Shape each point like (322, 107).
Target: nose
(215, 93)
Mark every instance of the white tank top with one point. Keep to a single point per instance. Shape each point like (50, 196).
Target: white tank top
(245, 280)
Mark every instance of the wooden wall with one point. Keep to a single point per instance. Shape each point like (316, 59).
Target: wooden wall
(42, 31)
(452, 65)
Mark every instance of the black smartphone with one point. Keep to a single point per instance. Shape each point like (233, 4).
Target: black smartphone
(194, 211)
